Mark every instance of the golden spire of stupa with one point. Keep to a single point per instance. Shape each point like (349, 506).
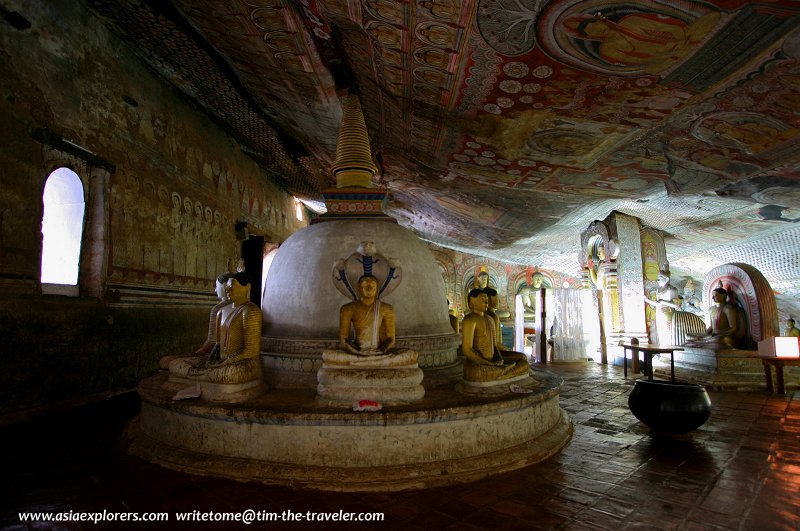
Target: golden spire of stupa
(353, 165)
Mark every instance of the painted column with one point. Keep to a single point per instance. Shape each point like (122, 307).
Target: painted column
(631, 276)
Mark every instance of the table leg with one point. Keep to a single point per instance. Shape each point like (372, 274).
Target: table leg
(648, 365)
(625, 362)
(768, 375)
(779, 378)
(635, 361)
(672, 366)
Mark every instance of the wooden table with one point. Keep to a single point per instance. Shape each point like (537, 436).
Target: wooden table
(649, 351)
(778, 363)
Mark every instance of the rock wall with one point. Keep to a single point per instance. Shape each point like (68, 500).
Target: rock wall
(164, 188)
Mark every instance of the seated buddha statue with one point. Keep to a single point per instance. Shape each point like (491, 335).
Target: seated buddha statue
(234, 358)
(372, 323)
(791, 329)
(485, 359)
(491, 293)
(368, 365)
(211, 338)
(528, 294)
(451, 313)
(726, 328)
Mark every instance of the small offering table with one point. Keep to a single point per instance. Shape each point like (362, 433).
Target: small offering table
(649, 351)
(778, 363)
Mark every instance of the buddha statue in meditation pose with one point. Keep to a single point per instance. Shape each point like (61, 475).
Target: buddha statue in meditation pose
(451, 313)
(221, 288)
(482, 280)
(791, 329)
(372, 323)
(485, 359)
(726, 329)
(234, 358)
(367, 365)
(528, 294)
(221, 285)
(491, 293)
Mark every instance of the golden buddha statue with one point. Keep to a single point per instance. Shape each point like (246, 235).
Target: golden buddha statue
(485, 359)
(451, 313)
(367, 365)
(220, 287)
(791, 329)
(528, 294)
(371, 320)
(726, 327)
(491, 293)
(373, 325)
(234, 358)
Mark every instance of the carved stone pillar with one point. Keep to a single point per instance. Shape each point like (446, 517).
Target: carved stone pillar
(631, 274)
(611, 255)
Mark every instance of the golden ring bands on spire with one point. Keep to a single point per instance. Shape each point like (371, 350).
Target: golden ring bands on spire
(353, 165)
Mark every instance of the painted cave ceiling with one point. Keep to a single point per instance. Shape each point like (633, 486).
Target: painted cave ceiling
(504, 127)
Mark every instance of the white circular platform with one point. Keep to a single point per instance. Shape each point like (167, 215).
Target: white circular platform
(287, 437)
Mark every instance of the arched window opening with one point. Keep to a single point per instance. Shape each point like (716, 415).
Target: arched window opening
(62, 228)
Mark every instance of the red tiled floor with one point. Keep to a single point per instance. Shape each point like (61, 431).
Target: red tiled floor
(739, 471)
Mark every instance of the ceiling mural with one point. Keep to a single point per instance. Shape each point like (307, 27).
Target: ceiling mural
(502, 128)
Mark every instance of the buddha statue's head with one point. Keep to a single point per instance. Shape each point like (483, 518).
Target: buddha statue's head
(719, 295)
(221, 285)
(478, 300)
(491, 295)
(238, 288)
(368, 287)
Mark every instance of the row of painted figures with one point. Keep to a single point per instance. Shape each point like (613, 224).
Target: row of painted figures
(230, 354)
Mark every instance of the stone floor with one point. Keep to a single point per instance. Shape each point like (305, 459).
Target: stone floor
(741, 470)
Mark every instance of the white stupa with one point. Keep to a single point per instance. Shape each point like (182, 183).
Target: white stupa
(301, 303)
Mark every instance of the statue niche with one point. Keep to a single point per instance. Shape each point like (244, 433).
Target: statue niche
(741, 311)
(727, 328)
(742, 308)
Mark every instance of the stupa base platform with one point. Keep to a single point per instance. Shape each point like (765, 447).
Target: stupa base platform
(524, 383)
(222, 392)
(286, 437)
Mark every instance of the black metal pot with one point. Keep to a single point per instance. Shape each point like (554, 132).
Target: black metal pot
(669, 407)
